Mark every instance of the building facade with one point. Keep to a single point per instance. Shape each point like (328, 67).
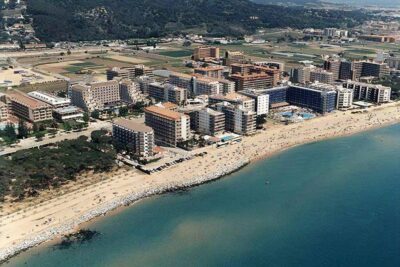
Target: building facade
(138, 138)
(203, 52)
(170, 127)
(211, 122)
(375, 93)
(29, 108)
(96, 96)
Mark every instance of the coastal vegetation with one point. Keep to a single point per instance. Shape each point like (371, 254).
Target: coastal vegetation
(27, 172)
(124, 19)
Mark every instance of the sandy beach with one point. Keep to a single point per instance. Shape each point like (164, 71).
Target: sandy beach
(32, 224)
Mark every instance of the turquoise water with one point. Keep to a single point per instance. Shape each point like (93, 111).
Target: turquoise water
(333, 203)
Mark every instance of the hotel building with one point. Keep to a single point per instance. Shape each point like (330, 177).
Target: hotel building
(340, 69)
(238, 119)
(234, 99)
(96, 96)
(204, 52)
(252, 81)
(368, 69)
(261, 101)
(211, 122)
(167, 93)
(369, 92)
(322, 76)
(29, 108)
(211, 71)
(344, 98)
(170, 127)
(137, 138)
(129, 91)
(320, 98)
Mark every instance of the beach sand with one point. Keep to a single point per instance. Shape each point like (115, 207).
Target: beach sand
(44, 221)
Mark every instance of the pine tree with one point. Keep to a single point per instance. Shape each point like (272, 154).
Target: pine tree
(23, 130)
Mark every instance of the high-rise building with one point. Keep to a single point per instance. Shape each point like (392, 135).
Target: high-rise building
(203, 52)
(261, 101)
(369, 92)
(238, 119)
(211, 71)
(235, 99)
(137, 138)
(29, 108)
(129, 72)
(167, 93)
(211, 122)
(321, 98)
(345, 72)
(250, 69)
(322, 76)
(301, 75)
(367, 68)
(144, 82)
(170, 127)
(129, 91)
(232, 57)
(252, 81)
(204, 86)
(96, 96)
(181, 80)
(344, 98)
(333, 66)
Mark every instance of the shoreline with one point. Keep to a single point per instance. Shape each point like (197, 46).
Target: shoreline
(120, 202)
(235, 158)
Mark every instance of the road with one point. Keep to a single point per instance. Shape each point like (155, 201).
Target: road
(31, 142)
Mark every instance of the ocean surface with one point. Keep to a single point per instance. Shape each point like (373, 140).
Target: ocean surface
(332, 203)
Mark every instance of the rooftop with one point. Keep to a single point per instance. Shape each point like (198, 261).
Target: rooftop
(27, 100)
(231, 97)
(210, 68)
(163, 112)
(67, 110)
(131, 125)
(48, 98)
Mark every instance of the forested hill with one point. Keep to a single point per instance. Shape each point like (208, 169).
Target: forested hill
(57, 20)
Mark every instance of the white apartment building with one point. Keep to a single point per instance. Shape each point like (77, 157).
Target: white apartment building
(344, 98)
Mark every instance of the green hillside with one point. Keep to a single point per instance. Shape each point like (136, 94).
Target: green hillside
(56, 20)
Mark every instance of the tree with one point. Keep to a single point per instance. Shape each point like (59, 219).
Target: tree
(260, 121)
(35, 128)
(123, 111)
(86, 117)
(23, 130)
(39, 136)
(53, 132)
(95, 114)
(9, 133)
(67, 126)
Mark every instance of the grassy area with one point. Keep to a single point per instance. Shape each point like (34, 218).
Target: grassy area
(86, 64)
(177, 53)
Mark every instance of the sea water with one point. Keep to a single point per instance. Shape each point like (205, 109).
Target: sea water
(331, 203)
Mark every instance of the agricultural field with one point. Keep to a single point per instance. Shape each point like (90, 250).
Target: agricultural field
(176, 53)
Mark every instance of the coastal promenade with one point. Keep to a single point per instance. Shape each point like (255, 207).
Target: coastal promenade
(35, 224)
